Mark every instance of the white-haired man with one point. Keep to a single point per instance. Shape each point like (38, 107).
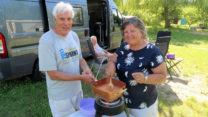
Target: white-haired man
(61, 58)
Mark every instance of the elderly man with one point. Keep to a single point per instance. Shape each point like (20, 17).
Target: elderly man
(61, 58)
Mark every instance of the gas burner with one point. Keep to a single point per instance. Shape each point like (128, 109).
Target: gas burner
(113, 104)
(105, 108)
(110, 103)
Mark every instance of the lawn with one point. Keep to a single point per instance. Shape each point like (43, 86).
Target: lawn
(24, 98)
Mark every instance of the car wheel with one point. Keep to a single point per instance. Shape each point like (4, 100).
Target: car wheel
(38, 75)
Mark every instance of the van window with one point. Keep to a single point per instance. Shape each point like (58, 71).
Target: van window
(78, 17)
(117, 17)
(120, 18)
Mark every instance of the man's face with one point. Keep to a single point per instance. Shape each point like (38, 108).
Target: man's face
(63, 23)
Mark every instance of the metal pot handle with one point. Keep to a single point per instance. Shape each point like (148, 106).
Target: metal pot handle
(116, 93)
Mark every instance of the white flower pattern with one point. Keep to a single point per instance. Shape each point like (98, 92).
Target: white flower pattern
(130, 101)
(140, 65)
(130, 54)
(152, 64)
(122, 52)
(129, 60)
(127, 47)
(143, 105)
(145, 71)
(126, 74)
(126, 100)
(145, 89)
(118, 66)
(133, 82)
(141, 58)
(149, 46)
(159, 59)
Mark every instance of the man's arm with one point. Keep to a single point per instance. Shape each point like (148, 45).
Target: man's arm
(86, 76)
(57, 75)
(61, 76)
(85, 68)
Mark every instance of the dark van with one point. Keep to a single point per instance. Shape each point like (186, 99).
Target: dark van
(22, 22)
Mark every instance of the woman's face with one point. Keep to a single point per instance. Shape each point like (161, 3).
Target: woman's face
(132, 35)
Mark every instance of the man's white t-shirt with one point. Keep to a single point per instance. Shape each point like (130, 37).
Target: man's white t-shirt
(63, 54)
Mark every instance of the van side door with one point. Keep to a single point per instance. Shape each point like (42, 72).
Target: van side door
(23, 28)
(116, 36)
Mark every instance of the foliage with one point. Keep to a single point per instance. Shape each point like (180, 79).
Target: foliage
(163, 12)
(189, 14)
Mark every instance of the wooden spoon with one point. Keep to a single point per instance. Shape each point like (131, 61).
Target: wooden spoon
(110, 83)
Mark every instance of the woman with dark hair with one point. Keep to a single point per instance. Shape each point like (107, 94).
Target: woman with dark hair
(141, 66)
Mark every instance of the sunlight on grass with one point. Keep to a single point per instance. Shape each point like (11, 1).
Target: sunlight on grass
(193, 48)
(194, 59)
(190, 108)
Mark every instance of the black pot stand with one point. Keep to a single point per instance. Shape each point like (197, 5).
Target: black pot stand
(109, 109)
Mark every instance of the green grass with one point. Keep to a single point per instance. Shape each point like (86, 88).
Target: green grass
(193, 48)
(24, 98)
(189, 108)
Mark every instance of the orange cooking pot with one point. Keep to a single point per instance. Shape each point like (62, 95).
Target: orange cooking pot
(103, 90)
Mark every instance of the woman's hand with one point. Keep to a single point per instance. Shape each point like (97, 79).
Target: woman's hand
(111, 69)
(108, 54)
(139, 77)
(158, 76)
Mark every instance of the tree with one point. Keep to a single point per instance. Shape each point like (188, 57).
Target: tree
(155, 12)
(189, 13)
(202, 6)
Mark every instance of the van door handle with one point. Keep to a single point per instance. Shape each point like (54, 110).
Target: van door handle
(86, 33)
(37, 29)
(113, 29)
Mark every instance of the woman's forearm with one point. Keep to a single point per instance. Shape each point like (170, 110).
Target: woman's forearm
(155, 78)
(111, 69)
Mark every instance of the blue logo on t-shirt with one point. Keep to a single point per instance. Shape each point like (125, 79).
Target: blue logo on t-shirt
(69, 54)
(63, 55)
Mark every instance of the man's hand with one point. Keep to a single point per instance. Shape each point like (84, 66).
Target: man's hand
(139, 77)
(87, 71)
(87, 75)
(87, 79)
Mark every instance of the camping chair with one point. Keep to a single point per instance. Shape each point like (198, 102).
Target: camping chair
(99, 60)
(173, 62)
(163, 40)
(163, 44)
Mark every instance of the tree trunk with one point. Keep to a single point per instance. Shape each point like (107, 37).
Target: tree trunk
(167, 21)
